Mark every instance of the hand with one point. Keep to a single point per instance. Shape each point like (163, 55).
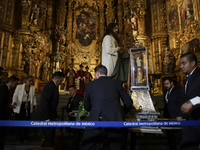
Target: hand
(186, 107)
(71, 114)
(14, 105)
(179, 118)
(118, 48)
(35, 107)
(127, 115)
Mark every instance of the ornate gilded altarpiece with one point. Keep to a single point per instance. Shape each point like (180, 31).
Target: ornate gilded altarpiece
(32, 32)
(75, 28)
(183, 22)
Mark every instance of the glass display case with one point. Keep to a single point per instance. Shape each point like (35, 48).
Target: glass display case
(139, 70)
(140, 95)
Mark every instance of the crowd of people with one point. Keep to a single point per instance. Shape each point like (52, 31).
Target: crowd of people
(103, 99)
(83, 77)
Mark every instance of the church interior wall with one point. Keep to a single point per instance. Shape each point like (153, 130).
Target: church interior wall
(32, 32)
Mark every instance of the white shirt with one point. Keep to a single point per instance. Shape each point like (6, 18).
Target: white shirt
(109, 53)
(195, 100)
(25, 97)
(54, 82)
(8, 86)
(169, 91)
(188, 79)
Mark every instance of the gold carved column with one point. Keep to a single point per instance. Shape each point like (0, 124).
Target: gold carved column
(102, 19)
(25, 14)
(141, 21)
(2, 9)
(16, 52)
(61, 13)
(49, 14)
(69, 29)
(159, 40)
(110, 17)
(120, 15)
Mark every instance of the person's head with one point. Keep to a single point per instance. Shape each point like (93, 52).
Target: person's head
(86, 68)
(70, 65)
(57, 77)
(112, 29)
(168, 82)
(188, 62)
(100, 70)
(29, 80)
(12, 82)
(81, 67)
(72, 90)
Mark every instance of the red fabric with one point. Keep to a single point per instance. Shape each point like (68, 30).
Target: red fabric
(71, 78)
(81, 85)
(88, 77)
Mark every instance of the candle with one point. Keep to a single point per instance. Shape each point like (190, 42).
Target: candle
(1, 57)
(152, 66)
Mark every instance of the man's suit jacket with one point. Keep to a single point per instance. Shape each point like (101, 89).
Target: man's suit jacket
(4, 97)
(172, 108)
(193, 90)
(102, 99)
(74, 104)
(48, 103)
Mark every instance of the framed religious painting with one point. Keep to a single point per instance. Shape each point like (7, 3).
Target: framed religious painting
(85, 32)
(186, 12)
(173, 18)
(191, 46)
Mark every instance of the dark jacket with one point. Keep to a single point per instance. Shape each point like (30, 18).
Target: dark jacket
(47, 108)
(4, 100)
(172, 108)
(193, 90)
(74, 104)
(102, 99)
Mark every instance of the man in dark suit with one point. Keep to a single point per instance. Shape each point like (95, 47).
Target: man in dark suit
(191, 107)
(102, 100)
(4, 105)
(172, 108)
(73, 104)
(47, 109)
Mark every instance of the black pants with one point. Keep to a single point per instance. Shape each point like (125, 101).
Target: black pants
(190, 138)
(49, 135)
(93, 137)
(172, 135)
(77, 137)
(24, 114)
(2, 137)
